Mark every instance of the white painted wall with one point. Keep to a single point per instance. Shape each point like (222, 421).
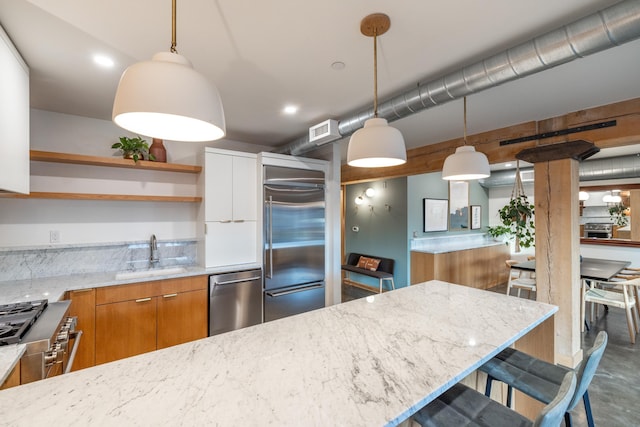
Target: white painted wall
(29, 222)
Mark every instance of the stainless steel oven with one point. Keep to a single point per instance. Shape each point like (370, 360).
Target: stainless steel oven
(48, 333)
(597, 230)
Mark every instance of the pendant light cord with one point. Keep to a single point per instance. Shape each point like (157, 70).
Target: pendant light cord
(375, 73)
(173, 27)
(465, 121)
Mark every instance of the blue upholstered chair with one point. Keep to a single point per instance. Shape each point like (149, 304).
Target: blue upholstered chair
(463, 406)
(541, 380)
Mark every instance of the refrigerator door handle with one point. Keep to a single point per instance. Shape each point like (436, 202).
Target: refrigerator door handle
(277, 294)
(270, 204)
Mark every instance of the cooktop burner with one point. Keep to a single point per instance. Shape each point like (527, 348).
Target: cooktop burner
(17, 318)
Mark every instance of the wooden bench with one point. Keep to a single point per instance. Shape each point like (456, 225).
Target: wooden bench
(384, 272)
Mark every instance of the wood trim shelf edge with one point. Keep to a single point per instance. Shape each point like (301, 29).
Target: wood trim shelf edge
(88, 196)
(81, 159)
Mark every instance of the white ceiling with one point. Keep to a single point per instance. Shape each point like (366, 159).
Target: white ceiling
(264, 54)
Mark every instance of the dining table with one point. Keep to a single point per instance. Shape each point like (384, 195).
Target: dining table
(590, 268)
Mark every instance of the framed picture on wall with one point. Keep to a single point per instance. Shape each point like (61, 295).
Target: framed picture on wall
(435, 214)
(476, 217)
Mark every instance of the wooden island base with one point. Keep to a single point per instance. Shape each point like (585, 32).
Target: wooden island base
(480, 268)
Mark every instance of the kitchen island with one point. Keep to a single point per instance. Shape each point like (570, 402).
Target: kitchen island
(368, 362)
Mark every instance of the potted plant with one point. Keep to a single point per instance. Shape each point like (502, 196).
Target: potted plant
(133, 148)
(618, 214)
(516, 218)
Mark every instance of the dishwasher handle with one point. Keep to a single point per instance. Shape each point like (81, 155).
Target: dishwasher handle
(277, 294)
(231, 282)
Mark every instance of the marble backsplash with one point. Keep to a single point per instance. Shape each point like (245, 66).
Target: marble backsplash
(33, 263)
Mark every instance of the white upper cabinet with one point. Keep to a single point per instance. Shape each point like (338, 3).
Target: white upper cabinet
(14, 119)
(230, 187)
(230, 208)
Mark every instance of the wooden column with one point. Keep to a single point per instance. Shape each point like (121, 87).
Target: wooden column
(634, 203)
(557, 223)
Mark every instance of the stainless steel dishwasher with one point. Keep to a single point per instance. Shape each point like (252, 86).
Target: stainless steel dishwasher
(235, 300)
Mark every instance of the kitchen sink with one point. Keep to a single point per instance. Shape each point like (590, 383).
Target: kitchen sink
(149, 273)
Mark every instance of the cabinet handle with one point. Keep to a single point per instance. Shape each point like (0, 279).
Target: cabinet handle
(238, 220)
(205, 228)
(226, 221)
(169, 295)
(143, 300)
(77, 291)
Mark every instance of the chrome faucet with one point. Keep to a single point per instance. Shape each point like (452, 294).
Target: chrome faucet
(153, 245)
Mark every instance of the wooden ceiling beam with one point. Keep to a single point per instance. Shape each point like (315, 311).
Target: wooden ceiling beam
(430, 158)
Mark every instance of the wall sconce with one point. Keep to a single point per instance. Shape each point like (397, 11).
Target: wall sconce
(359, 200)
(370, 192)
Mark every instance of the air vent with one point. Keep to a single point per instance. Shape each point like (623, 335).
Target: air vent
(526, 175)
(324, 132)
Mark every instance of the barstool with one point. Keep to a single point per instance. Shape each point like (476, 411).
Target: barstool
(463, 406)
(541, 380)
(520, 279)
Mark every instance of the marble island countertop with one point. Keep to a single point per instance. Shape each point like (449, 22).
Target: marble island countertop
(438, 245)
(368, 362)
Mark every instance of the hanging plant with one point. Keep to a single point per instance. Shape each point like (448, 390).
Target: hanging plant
(516, 218)
(619, 215)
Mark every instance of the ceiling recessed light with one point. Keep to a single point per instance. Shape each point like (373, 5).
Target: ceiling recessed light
(103, 61)
(338, 65)
(290, 109)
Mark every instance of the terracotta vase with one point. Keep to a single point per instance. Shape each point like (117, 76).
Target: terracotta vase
(158, 150)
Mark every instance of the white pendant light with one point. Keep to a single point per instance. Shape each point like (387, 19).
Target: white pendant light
(376, 144)
(466, 163)
(166, 98)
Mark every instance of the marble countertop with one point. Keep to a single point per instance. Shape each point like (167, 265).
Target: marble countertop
(9, 356)
(367, 362)
(453, 246)
(53, 289)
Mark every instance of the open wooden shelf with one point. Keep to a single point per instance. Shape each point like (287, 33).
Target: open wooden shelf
(80, 159)
(89, 196)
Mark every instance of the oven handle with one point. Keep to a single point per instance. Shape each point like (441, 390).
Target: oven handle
(75, 335)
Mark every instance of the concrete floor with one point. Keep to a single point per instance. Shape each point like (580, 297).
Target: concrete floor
(615, 389)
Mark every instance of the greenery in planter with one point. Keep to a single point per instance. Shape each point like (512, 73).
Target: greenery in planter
(517, 218)
(618, 216)
(133, 148)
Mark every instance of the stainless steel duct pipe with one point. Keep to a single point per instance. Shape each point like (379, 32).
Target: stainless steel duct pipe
(599, 31)
(592, 170)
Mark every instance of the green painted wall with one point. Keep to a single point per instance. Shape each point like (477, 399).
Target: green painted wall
(388, 232)
(382, 224)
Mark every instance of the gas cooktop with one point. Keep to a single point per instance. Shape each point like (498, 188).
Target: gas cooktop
(17, 318)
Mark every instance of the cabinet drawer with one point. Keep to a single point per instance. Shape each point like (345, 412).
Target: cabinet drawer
(151, 288)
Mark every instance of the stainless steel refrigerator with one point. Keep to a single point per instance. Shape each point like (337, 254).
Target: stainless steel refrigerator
(294, 225)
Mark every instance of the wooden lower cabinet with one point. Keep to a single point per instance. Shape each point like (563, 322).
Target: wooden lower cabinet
(83, 305)
(124, 329)
(141, 317)
(480, 268)
(13, 379)
(182, 317)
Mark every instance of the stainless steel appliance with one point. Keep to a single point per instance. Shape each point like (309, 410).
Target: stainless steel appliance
(597, 230)
(47, 330)
(294, 236)
(235, 300)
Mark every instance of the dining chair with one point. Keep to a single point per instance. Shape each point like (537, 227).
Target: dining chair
(620, 294)
(520, 279)
(540, 379)
(463, 406)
